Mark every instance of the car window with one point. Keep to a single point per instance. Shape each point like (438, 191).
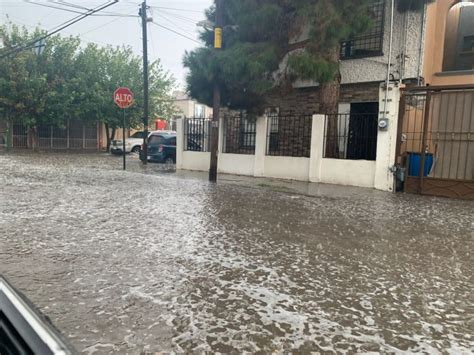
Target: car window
(138, 135)
(172, 141)
(156, 140)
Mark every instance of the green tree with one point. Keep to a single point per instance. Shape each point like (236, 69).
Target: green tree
(257, 58)
(23, 86)
(105, 69)
(70, 81)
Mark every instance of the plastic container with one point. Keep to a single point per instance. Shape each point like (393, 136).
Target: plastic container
(415, 161)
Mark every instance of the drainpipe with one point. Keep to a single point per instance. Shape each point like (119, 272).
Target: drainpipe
(422, 37)
(389, 56)
(392, 10)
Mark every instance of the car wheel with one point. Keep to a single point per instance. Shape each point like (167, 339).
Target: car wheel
(136, 150)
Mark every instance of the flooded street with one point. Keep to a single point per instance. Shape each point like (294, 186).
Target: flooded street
(150, 260)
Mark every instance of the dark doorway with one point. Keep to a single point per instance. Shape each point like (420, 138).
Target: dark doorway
(362, 140)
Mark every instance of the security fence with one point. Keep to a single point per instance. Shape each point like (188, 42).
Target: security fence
(289, 136)
(436, 140)
(239, 134)
(351, 136)
(72, 135)
(197, 132)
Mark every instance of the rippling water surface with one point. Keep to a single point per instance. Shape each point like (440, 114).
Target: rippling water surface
(149, 260)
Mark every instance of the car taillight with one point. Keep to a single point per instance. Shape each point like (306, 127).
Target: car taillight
(143, 147)
(160, 149)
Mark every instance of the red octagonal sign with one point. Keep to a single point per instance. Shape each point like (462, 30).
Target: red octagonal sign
(123, 97)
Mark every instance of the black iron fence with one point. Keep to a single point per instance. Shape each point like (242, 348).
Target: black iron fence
(240, 132)
(289, 135)
(197, 134)
(351, 136)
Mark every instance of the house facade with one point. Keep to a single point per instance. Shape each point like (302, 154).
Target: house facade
(188, 107)
(449, 44)
(291, 141)
(436, 128)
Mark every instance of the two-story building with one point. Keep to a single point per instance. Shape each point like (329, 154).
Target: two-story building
(436, 128)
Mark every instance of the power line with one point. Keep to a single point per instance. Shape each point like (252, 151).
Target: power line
(180, 17)
(107, 23)
(78, 12)
(175, 32)
(175, 9)
(60, 27)
(185, 30)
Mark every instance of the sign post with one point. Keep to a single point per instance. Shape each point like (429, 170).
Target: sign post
(123, 98)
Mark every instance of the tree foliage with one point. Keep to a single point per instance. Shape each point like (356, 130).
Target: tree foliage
(77, 82)
(258, 56)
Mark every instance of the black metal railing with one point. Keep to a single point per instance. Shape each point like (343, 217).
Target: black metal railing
(289, 135)
(370, 43)
(197, 134)
(351, 136)
(240, 132)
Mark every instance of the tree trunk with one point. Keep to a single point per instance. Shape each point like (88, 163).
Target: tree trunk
(329, 106)
(107, 146)
(32, 138)
(110, 135)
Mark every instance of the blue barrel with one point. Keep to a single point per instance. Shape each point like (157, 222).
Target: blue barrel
(415, 161)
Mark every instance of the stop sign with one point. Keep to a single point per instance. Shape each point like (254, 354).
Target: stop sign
(123, 97)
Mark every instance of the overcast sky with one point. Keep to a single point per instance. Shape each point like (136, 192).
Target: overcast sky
(179, 15)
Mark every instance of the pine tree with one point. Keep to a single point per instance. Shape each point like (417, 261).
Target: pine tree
(256, 49)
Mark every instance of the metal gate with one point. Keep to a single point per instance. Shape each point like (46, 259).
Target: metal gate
(436, 141)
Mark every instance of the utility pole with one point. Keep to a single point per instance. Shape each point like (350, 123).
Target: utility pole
(143, 14)
(217, 95)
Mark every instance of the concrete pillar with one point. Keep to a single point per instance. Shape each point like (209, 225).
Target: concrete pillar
(179, 143)
(317, 147)
(387, 138)
(260, 146)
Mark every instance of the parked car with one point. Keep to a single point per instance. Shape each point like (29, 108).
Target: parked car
(132, 143)
(162, 147)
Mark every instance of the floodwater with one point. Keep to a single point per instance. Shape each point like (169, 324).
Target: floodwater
(150, 260)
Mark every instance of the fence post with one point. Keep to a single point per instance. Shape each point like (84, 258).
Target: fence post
(424, 138)
(317, 147)
(83, 136)
(387, 139)
(260, 146)
(179, 143)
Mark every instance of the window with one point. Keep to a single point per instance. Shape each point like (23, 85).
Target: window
(172, 141)
(273, 129)
(156, 140)
(138, 135)
(459, 38)
(199, 111)
(369, 44)
(468, 44)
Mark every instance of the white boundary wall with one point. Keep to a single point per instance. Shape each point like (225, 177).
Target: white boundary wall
(363, 173)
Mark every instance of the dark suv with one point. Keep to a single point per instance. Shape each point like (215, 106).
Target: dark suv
(162, 147)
